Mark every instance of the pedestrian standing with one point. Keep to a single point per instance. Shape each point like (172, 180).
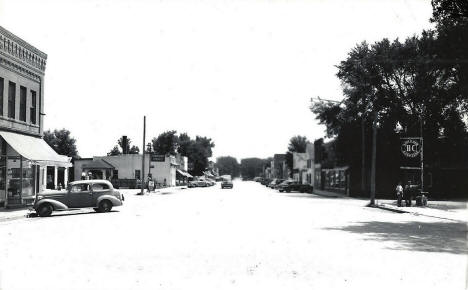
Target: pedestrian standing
(408, 192)
(399, 193)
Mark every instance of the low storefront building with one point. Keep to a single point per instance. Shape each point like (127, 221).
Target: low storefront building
(125, 169)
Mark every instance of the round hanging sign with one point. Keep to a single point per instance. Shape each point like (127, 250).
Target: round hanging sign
(410, 148)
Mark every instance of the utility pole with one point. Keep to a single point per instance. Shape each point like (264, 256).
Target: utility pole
(422, 152)
(374, 159)
(143, 159)
(363, 155)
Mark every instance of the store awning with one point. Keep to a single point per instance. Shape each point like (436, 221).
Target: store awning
(35, 149)
(183, 173)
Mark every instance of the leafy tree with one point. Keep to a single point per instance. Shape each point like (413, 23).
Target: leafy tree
(296, 144)
(449, 11)
(130, 149)
(166, 143)
(115, 151)
(199, 152)
(253, 167)
(134, 150)
(228, 165)
(184, 144)
(62, 142)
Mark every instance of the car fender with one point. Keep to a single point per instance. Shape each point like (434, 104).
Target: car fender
(56, 204)
(115, 201)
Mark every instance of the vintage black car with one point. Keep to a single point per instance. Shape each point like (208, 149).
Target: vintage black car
(97, 194)
(291, 185)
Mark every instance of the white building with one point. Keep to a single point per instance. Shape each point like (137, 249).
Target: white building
(303, 165)
(125, 169)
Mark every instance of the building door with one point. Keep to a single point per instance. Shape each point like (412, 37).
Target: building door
(50, 177)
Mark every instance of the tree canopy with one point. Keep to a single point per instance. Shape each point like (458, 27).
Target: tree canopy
(228, 165)
(62, 142)
(166, 143)
(131, 149)
(197, 150)
(253, 167)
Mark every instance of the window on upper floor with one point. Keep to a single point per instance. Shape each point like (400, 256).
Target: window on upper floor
(11, 99)
(22, 115)
(32, 110)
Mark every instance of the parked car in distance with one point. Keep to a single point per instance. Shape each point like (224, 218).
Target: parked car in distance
(192, 184)
(201, 183)
(292, 185)
(266, 181)
(97, 194)
(275, 183)
(210, 182)
(226, 184)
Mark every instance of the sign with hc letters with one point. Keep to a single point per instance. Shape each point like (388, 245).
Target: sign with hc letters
(410, 153)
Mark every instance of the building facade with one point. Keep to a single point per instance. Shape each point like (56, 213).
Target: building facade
(125, 169)
(27, 164)
(299, 166)
(279, 167)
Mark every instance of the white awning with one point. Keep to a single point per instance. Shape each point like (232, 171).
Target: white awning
(35, 149)
(184, 173)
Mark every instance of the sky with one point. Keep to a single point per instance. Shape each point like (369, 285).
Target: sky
(240, 72)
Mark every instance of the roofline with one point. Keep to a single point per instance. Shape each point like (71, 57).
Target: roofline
(23, 42)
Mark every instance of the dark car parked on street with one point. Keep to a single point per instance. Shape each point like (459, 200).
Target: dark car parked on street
(97, 194)
(275, 182)
(291, 185)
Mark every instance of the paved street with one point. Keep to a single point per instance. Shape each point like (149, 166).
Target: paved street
(249, 237)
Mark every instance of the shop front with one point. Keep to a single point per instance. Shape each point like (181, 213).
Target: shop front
(27, 166)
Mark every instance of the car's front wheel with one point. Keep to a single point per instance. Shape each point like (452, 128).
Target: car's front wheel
(105, 206)
(45, 210)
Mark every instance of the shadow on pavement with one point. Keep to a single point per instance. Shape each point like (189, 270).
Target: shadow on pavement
(71, 213)
(416, 236)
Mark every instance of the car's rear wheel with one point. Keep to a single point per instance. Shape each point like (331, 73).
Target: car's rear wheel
(105, 206)
(45, 210)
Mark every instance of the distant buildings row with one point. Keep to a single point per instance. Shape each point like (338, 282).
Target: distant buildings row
(307, 169)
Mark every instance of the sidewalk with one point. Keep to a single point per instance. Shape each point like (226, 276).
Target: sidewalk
(330, 194)
(448, 210)
(13, 214)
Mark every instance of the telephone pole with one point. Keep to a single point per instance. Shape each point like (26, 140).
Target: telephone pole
(143, 159)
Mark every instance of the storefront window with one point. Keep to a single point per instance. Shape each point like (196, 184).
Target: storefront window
(19, 180)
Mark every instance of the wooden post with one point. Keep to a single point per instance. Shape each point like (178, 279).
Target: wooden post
(363, 155)
(143, 159)
(374, 159)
